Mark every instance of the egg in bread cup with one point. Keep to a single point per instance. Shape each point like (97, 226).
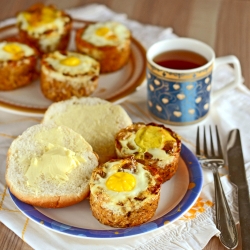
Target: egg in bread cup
(151, 144)
(18, 65)
(123, 193)
(108, 42)
(65, 74)
(50, 166)
(45, 27)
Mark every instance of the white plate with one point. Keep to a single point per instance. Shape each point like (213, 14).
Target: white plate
(29, 100)
(177, 196)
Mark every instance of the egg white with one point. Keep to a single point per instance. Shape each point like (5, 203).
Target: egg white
(36, 31)
(120, 32)
(86, 65)
(143, 180)
(133, 148)
(6, 56)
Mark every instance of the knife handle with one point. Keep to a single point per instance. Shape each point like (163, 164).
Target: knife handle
(224, 218)
(244, 212)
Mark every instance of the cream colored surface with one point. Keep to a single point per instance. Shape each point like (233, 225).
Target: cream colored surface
(95, 119)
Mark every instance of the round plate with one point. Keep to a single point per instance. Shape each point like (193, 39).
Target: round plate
(29, 100)
(176, 198)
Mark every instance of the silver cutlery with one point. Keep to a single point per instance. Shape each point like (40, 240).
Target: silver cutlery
(237, 176)
(211, 160)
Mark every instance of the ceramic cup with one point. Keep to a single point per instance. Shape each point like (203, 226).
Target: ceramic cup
(183, 96)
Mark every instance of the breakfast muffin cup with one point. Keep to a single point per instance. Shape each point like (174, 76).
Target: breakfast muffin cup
(18, 63)
(101, 42)
(151, 144)
(65, 74)
(123, 193)
(45, 27)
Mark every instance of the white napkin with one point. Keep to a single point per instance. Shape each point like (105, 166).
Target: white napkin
(189, 232)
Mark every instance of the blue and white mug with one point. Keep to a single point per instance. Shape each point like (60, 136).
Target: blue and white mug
(183, 96)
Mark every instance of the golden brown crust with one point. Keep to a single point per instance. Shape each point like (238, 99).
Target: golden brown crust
(172, 148)
(63, 42)
(111, 58)
(46, 201)
(129, 219)
(15, 74)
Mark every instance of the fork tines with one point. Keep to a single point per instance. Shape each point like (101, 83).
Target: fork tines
(210, 142)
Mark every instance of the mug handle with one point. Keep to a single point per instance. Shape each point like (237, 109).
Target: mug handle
(237, 72)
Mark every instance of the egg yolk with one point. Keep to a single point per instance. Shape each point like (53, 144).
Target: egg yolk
(152, 137)
(14, 49)
(70, 61)
(103, 31)
(46, 15)
(121, 181)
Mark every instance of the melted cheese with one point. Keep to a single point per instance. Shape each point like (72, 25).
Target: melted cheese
(149, 139)
(72, 64)
(37, 24)
(14, 51)
(106, 34)
(141, 178)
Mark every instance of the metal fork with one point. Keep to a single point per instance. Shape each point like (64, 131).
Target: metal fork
(213, 161)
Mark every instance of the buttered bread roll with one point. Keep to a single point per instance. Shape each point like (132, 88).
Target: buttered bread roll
(50, 166)
(123, 193)
(97, 120)
(153, 145)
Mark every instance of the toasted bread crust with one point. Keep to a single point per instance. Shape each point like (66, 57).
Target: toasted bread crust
(47, 201)
(111, 58)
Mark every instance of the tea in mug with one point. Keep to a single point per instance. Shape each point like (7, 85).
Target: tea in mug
(180, 59)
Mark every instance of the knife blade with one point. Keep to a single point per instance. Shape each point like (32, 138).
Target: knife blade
(237, 176)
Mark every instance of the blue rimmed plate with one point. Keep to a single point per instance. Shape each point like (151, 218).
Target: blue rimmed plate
(177, 196)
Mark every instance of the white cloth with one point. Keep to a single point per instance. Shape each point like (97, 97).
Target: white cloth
(231, 111)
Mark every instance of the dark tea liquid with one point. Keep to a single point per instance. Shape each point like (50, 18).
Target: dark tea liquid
(180, 59)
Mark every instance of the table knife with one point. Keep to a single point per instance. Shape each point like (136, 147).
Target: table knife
(237, 175)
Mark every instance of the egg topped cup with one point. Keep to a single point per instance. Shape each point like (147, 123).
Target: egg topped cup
(151, 144)
(107, 42)
(66, 74)
(123, 193)
(18, 63)
(45, 27)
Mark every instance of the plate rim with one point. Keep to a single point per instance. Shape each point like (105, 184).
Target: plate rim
(187, 201)
(15, 108)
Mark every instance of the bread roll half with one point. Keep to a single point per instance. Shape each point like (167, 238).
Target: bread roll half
(97, 120)
(50, 166)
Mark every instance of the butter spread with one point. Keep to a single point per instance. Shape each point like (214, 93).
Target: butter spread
(55, 163)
